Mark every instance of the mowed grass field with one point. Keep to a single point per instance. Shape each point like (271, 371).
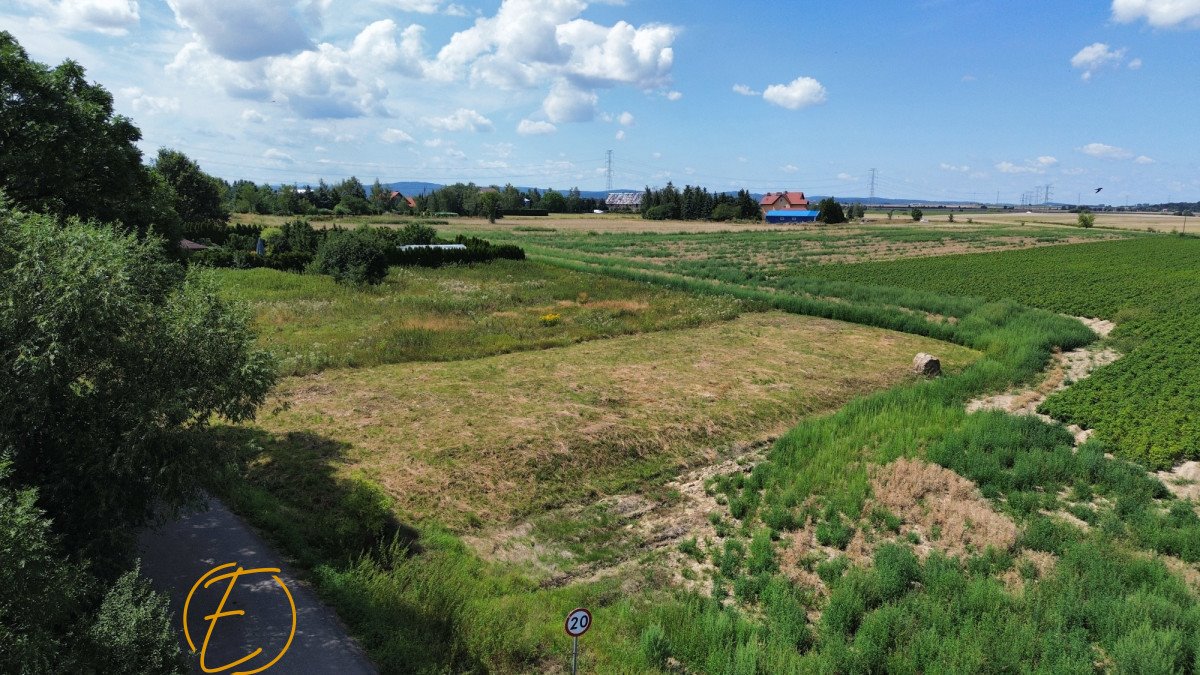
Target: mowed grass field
(490, 440)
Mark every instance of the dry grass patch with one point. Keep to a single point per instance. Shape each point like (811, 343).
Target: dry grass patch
(944, 508)
(485, 441)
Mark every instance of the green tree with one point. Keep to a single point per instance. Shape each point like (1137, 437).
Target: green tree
(63, 151)
(829, 211)
(917, 214)
(198, 198)
(1086, 219)
(489, 202)
(113, 360)
(56, 617)
(554, 202)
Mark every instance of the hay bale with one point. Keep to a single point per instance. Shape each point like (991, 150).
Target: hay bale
(927, 365)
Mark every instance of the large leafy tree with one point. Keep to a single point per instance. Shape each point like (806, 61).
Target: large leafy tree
(198, 197)
(112, 359)
(63, 151)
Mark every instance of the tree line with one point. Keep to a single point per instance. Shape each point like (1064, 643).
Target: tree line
(697, 203)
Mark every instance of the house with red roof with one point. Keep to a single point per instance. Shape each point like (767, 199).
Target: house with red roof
(783, 201)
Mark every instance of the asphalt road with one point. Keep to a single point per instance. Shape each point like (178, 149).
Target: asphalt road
(179, 553)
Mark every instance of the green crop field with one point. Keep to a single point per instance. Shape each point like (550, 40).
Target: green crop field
(1145, 404)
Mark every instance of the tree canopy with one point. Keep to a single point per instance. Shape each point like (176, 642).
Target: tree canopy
(63, 150)
(198, 196)
(830, 212)
(111, 358)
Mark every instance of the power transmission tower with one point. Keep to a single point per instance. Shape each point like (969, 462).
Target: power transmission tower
(608, 186)
(872, 201)
(1049, 193)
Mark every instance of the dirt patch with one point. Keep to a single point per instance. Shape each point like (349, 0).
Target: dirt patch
(945, 509)
(1064, 369)
(658, 526)
(1183, 481)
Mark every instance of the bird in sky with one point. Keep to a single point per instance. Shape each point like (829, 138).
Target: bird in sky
(1098, 190)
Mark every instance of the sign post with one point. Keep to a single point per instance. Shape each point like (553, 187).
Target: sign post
(578, 622)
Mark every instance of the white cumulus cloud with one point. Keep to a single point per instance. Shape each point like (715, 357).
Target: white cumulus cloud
(626, 119)
(1096, 56)
(568, 103)
(1046, 160)
(396, 136)
(150, 105)
(462, 119)
(278, 156)
(745, 90)
(1105, 151)
(253, 116)
(1142, 159)
(673, 95)
(799, 93)
(110, 17)
(532, 128)
(1158, 13)
(243, 30)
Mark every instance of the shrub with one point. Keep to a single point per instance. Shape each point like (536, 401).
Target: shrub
(655, 648)
(351, 257)
(550, 319)
(724, 212)
(762, 553)
(416, 233)
(660, 212)
(832, 569)
(1086, 219)
(917, 215)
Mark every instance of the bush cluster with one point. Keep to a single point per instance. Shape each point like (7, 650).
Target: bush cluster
(359, 256)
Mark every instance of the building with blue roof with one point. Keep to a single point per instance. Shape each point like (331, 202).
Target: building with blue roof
(791, 216)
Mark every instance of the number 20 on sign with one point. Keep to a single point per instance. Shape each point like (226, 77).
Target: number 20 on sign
(578, 622)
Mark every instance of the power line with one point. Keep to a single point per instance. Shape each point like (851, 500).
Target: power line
(609, 184)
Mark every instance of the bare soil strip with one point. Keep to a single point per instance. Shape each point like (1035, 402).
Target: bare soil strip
(1065, 369)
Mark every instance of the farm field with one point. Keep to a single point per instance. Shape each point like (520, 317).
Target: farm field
(748, 252)
(899, 532)
(1145, 403)
(1117, 221)
(312, 323)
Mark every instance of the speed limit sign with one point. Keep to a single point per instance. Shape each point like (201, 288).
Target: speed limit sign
(578, 622)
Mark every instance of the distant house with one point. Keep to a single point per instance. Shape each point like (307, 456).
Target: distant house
(791, 216)
(624, 201)
(783, 201)
(394, 196)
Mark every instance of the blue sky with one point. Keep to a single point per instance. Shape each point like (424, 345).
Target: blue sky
(946, 99)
